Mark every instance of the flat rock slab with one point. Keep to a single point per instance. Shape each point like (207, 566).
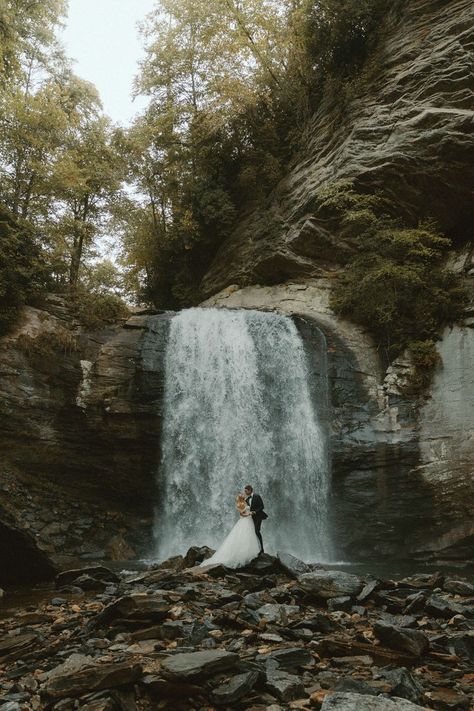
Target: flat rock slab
(233, 690)
(93, 678)
(277, 613)
(342, 701)
(288, 657)
(292, 565)
(195, 664)
(99, 572)
(403, 639)
(326, 584)
(285, 687)
(138, 606)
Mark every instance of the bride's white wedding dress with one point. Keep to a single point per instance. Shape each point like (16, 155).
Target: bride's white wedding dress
(240, 547)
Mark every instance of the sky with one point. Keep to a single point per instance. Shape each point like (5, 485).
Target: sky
(102, 36)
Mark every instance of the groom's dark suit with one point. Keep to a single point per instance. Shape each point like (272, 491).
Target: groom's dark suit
(259, 516)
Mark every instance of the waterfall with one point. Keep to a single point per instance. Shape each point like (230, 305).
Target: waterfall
(239, 409)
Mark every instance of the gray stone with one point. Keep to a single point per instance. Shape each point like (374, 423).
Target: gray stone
(199, 664)
(277, 613)
(403, 684)
(340, 603)
(285, 687)
(293, 566)
(231, 691)
(405, 640)
(326, 584)
(459, 587)
(342, 701)
(287, 657)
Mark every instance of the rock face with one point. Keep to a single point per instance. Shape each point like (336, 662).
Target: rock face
(406, 129)
(79, 437)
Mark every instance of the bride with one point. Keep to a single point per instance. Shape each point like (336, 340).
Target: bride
(241, 545)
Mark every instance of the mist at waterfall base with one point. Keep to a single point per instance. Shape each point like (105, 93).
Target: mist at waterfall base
(240, 408)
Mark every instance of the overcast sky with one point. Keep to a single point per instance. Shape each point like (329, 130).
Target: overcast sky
(102, 36)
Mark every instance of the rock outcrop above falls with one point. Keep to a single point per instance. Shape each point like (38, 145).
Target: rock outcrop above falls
(406, 129)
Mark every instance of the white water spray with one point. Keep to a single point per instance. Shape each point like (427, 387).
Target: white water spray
(238, 409)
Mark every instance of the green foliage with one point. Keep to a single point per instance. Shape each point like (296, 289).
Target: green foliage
(396, 285)
(96, 310)
(23, 276)
(47, 344)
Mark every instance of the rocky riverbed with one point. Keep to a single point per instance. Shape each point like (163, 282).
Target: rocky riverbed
(279, 634)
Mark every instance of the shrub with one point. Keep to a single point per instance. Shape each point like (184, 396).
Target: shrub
(96, 310)
(23, 275)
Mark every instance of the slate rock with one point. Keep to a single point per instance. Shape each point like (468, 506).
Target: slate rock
(458, 587)
(367, 590)
(404, 640)
(423, 580)
(403, 684)
(99, 572)
(199, 664)
(277, 613)
(135, 606)
(92, 678)
(354, 686)
(287, 657)
(326, 584)
(285, 687)
(342, 701)
(195, 555)
(292, 565)
(318, 623)
(340, 603)
(462, 645)
(445, 699)
(439, 607)
(233, 690)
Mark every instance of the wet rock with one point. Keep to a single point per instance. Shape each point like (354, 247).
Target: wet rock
(287, 658)
(367, 590)
(92, 678)
(285, 687)
(196, 555)
(355, 686)
(423, 580)
(340, 603)
(13, 646)
(459, 587)
(462, 645)
(233, 690)
(405, 640)
(135, 606)
(292, 565)
(342, 701)
(403, 685)
(264, 564)
(318, 623)
(199, 664)
(439, 607)
(326, 584)
(118, 549)
(98, 572)
(277, 613)
(447, 699)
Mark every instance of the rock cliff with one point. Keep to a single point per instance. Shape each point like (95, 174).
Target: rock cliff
(406, 128)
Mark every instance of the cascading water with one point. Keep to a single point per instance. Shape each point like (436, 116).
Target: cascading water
(238, 409)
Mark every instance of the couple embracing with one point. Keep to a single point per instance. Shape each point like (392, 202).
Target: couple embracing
(244, 542)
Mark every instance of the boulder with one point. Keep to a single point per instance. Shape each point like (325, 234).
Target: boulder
(405, 640)
(326, 584)
(285, 687)
(194, 665)
(341, 701)
(231, 691)
(92, 678)
(403, 685)
(292, 565)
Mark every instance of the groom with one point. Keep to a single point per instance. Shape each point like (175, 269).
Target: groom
(256, 509)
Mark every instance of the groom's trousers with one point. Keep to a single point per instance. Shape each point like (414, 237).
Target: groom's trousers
(257, 522)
